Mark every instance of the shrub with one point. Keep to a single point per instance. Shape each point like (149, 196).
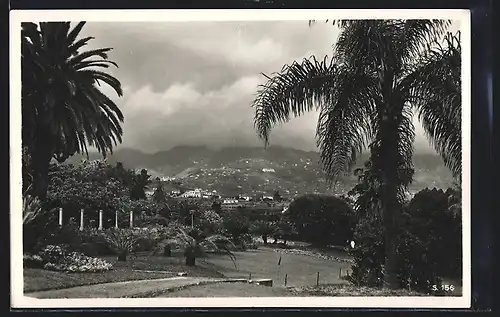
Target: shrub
(368, 253)
(32, 261)
(122, 241)
(53, 253)
(78, 262)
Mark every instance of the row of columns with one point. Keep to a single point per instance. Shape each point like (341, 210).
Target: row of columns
(82, 212)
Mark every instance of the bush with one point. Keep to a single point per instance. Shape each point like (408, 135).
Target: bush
(32, 261)
(429, 244)
(77, 262)
(368, 253)
(60, 258)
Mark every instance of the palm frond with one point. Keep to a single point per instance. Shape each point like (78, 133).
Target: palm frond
(435, 85)
(298, 88)
(344, 127)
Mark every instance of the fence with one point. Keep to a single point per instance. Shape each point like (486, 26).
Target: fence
(310, 279)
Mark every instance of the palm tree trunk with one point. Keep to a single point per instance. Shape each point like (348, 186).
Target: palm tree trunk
(190, 255)
(122, 256)
(386, 160)
(40, 162)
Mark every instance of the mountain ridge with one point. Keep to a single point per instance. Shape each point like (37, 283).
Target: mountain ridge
(240, 169)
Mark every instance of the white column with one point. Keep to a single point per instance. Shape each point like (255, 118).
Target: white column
(81, 219)
(100, 219)
(116, 219)
(131, 219)
(60, 216)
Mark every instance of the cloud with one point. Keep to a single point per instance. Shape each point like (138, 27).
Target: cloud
(193, 82)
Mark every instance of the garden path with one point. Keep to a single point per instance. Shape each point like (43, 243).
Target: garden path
(126, 289)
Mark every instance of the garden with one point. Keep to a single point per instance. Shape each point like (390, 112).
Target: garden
(134, 237)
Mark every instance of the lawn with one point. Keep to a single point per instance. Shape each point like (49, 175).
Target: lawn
(229, 290)
(40, 280)
(301, 270)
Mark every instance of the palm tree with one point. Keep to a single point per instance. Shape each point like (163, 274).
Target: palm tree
(196, 244)
(63, 109)
(380, 73)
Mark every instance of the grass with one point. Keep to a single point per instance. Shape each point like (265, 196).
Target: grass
(41, 280)
(263, 263)
(229, 290)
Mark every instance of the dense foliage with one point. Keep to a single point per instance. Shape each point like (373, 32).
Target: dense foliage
(429, 244)
(322, 220)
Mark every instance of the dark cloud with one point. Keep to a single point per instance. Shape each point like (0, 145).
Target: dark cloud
(193, 82)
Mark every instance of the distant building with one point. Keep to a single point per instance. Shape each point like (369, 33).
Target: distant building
(268, 170)
(192, 194)
(230, 204)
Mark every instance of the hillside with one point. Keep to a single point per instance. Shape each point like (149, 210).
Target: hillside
(235, 170)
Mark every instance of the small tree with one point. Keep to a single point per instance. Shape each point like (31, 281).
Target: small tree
(284, 230)
(196, 244)
(159, 194)
(122, 241)
(277, 196)
(263, 229)
(235, 225)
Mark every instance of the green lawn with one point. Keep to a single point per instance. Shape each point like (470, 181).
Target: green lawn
(301, 270)
(40, 280)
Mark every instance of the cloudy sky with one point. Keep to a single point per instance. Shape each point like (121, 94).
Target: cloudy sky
(193, 83)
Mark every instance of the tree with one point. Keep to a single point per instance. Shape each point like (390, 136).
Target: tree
(90, 185)
(284, 229)
(235, 224)
(276, 196)
(380, 73)
(63, 109)
(263, 228)
(321, 219)
(139, 183)
(196, 244)
(159, 194)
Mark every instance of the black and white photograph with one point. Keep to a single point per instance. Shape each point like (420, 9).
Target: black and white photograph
(314, 158)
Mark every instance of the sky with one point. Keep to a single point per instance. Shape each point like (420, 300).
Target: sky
(192, 83)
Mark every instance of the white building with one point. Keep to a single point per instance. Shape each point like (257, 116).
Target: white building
(192, 194)
(268, 170)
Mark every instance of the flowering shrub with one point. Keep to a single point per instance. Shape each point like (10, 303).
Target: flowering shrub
(78, 262)
(58, 258)
(32, 261)
(53, 253)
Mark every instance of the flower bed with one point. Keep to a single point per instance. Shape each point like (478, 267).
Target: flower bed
(57, 258)
(78, 262)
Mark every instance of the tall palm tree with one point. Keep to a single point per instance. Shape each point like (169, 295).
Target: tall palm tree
(380, 73)
(63, 108)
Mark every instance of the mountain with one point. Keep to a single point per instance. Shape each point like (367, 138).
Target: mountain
(237, 170)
